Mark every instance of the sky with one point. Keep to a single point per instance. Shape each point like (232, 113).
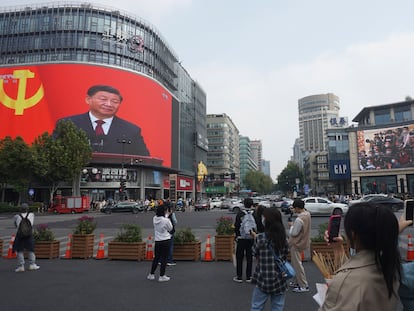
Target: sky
(256, 59)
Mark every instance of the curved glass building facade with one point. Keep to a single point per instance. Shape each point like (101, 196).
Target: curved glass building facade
(40, 38)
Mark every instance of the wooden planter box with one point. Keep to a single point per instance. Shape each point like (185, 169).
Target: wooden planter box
(126, 251)
(47, 249)
(324, 248)
(82, 245)
(224, 247)
(1, 248)
(187, 251)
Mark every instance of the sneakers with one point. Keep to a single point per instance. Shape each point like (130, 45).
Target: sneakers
(293, 284)
(171, 264)
(163, 278)
(33, 267)
(150, 277)
(19, 269)
(249, 280)
(300, 289)
(237, 279)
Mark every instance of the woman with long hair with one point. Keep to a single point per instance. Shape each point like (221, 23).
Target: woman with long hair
(369, 279)
(269, 281)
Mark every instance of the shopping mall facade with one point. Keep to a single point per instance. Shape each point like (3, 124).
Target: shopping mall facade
(52, 54)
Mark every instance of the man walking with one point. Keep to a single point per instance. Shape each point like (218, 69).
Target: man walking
(299, 241)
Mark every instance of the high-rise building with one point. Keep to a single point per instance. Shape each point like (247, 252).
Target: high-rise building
(247, 163)
(256, 146)
(58, 50)
(223, 154)
(266, 167)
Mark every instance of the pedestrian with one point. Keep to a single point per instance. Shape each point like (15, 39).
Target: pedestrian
(162, 237)
(369, 280)
(257, 214)
(244, 241)
(299, 241)
(24, 238)
(173, 219)
(269, 281)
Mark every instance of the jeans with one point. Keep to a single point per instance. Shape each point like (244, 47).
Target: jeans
(31, 256)
(170, 258)
(259, 299)
(161, 254)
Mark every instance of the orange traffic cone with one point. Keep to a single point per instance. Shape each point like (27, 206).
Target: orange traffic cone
(101, 248)
(150, 251)
(10, 253)
(208, 256)
(410, 249)
(68, 254)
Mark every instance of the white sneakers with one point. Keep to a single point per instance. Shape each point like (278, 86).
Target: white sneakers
(32, 267)
(163, 278)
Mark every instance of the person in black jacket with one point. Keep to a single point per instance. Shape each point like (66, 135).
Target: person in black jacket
(108, 133)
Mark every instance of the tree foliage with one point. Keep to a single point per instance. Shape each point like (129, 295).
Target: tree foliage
(258, 182)
(287, 178)
(61, 157)
(15, 165)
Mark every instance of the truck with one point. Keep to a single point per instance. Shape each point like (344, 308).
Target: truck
(69, 204)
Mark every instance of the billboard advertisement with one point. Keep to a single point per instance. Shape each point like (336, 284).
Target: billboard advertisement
(386, 148)
(122, 112)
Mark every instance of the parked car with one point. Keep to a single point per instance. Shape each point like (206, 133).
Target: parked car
(261, 201)
(202, 205)
(124, 206)
(215, 203)
(383, 199)
(322, 206)
(236, 205)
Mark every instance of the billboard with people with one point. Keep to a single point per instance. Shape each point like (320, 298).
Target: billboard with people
(386, 148)
(121, 111)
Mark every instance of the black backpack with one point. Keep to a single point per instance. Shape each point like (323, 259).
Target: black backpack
(25, 227)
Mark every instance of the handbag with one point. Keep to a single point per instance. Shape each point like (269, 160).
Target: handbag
(286, 269)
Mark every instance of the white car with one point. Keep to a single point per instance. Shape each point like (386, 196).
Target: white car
(236, 205)
(322, 206)
(215, 203)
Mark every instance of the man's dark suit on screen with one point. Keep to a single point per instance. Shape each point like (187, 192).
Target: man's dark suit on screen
(111, 143)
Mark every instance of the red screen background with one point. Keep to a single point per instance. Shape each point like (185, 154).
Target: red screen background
(145, 102)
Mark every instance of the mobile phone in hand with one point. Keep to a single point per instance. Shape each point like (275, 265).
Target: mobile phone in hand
(408, 209)
(334, 226)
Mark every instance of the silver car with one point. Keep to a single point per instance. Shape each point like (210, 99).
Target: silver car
(322, 206)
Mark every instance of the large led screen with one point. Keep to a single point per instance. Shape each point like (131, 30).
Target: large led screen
(386, 148)
(137, 112)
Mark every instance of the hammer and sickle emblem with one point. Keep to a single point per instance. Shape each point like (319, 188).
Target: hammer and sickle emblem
(21, 102)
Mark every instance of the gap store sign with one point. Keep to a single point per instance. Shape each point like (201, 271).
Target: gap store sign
(339, 169)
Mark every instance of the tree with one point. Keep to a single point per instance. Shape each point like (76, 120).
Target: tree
(259, 182)
(287, 178)
(15, 165)
(61, 157)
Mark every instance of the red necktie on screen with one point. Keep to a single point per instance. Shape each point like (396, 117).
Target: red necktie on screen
(98, 129)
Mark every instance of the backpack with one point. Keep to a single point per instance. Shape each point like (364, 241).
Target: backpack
(248, 223)
(25, 227)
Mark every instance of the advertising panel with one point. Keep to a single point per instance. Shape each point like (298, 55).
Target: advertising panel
(386, 148)
(339, 169)
(122, 112)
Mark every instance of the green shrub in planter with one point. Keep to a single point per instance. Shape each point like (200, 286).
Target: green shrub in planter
(182, 236)
(129, 233)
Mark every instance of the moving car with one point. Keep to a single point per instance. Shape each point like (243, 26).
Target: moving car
(236, 205)
(322, 206)
(202, 205)
(124, 206)
(215, 203)
(383, 199)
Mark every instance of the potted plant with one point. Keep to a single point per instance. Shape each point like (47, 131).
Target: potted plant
(319, 245)
(46, 246)
(83, 238)
(128, 244)
(186, 246)
(224, 238)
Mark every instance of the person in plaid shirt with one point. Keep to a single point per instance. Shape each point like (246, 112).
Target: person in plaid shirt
(269, 281)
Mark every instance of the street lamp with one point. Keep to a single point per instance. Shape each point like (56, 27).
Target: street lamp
(122, 187)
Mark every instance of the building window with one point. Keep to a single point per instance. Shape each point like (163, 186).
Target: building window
(382, 116)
